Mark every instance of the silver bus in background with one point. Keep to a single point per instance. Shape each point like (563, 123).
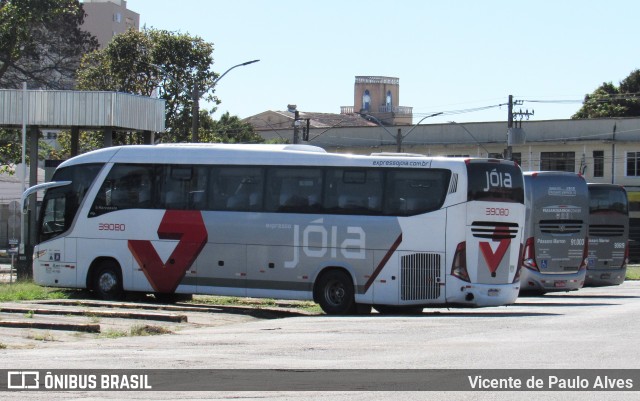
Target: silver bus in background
(608, 235)
(556, 224)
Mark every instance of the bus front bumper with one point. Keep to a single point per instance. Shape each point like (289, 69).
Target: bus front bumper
(604, 277)
(462, 293)
(531, 280)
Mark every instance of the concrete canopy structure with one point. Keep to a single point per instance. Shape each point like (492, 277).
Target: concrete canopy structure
(83, 109)
(79, 110)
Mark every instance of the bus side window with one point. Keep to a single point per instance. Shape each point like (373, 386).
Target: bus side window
(238, 188)
(294, 190)
(415, 192)
(127, 186)
(353, 191)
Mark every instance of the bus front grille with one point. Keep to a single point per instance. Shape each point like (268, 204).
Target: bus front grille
(606, 230)
(560, 226)
(420, 276)
(493, 230)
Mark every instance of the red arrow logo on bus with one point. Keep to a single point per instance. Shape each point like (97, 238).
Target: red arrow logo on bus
(493, 259)
(185, 226)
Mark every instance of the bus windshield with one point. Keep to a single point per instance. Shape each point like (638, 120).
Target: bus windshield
(60, 204)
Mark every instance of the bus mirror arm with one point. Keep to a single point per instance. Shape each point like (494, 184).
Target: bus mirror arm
(39, 187)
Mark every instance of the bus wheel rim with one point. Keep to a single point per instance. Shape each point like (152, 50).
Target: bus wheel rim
(107, 282)
(335, 293)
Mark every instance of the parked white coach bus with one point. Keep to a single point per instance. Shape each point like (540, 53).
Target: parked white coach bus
(556, 226)
(284, 221)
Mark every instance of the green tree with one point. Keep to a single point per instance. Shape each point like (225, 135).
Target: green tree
(609, 100)
(41, 43)
(11, 150)
(155, 60)
(229, 129)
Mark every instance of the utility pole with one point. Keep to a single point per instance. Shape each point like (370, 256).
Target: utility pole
(613, 154)
(515, 134)
(509, 153)
(195, 120)
(296, 127)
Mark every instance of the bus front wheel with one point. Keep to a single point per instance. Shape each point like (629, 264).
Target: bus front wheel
(107, 283)
(335, 293)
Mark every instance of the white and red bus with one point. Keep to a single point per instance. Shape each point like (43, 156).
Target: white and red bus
(284, 221)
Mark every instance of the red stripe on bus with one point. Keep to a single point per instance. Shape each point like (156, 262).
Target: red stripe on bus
(382, 263)
(183, 225)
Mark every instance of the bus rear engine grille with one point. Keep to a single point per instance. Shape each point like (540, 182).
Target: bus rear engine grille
(561, 226)
(420, 276)
(494, 231)
(606, 230)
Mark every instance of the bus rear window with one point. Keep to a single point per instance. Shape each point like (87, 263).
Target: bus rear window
(607, 200)
(495, 181)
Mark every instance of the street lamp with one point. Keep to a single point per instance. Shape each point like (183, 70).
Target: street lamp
(195, 95)
(400, 137)
(195, 123)
(471, 135)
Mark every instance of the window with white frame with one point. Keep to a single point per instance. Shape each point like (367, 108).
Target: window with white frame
(633, 164)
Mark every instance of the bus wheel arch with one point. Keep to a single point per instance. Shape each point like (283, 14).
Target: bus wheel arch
(105, 279)
(335, 292)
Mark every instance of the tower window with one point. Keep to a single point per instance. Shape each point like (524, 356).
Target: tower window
(366, 100)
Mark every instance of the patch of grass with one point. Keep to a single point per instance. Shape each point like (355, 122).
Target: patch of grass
(29, 315)
(113, 334)
(136, 331)
(27, 291)
(311, 307)
(94, 319)
(633, 272)
(42, 336)
(307, 306)
(3, 346)
(148, 330)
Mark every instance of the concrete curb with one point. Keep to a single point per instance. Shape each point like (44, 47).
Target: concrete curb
(96, 313)
(86, 328)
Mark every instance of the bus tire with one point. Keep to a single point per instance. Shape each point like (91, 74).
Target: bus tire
(107, 281)
(335, 293)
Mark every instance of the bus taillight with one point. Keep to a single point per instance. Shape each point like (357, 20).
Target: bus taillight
(625, 261)
(516, 278)
(459, 265)
(585, 255)
(529, 255)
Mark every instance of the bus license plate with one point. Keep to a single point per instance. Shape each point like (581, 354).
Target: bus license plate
(493, 292)
(560, 283)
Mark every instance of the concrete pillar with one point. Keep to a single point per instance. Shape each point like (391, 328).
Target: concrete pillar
(75, 140)
(107, 136)
(24, 270)
(147, 137)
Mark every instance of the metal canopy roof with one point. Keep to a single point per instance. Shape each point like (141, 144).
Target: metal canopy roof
(86, 109)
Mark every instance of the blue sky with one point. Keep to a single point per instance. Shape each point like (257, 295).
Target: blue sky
(448, 55)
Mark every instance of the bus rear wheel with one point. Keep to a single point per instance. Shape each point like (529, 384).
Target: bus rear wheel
(335, 293)
(107, 282)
